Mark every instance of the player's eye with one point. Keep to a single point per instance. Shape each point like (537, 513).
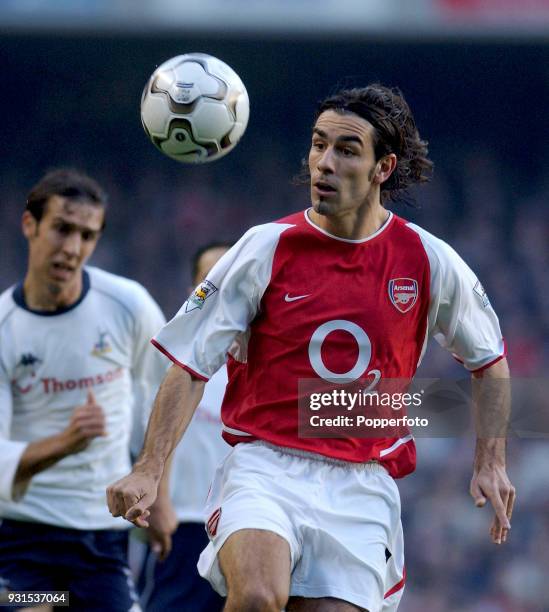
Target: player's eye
(318, 145)
(63, 228)
(347, 152)
(88, 236)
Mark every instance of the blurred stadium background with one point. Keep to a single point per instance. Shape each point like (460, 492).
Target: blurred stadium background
(476, 73)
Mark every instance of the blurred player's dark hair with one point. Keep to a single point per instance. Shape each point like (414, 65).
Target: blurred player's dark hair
(395, 132)
(67, 183)
(219, 244)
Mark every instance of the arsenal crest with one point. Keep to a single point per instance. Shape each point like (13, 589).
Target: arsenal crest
(403, 293)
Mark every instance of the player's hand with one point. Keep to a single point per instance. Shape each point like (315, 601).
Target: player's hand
(132, 496)
(162, 524)
(492, 483)
(87, 422)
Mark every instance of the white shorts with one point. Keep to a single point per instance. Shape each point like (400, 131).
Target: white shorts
(341, 521)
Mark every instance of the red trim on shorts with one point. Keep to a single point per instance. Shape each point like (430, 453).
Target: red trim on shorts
(491, 363)
(213, 522)
(398, 585)
(181, 365)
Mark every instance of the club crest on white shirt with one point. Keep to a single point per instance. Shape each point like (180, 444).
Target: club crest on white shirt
(481, 293)
(102, 346)
(199, 296)
(25, 373)
(403, 293)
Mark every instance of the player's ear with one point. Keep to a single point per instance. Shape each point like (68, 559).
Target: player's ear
(29, 225)
(384, 168)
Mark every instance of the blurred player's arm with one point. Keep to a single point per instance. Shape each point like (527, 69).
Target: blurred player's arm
(491, 408)
(175, 404)
(87, 422)
(10, 450)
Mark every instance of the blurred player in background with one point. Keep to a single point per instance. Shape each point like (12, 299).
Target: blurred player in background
(175, 584)
(344, 290)
(76, 369)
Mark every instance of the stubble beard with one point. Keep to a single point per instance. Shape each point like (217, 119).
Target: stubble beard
(323, 208)
(54, 289)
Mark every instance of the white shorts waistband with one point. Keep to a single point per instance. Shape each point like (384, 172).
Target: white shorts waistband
(372, 465)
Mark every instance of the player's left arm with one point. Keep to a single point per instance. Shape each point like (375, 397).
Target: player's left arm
(491, 409)
(463, 321)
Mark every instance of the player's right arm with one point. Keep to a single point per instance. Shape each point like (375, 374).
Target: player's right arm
(212, 322)
(87, 422)
(177, 399)
(10, 450)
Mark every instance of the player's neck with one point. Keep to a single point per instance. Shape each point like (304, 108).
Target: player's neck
(44, 295)
(354, 224)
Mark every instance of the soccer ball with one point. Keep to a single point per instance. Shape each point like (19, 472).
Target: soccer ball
(195, 108)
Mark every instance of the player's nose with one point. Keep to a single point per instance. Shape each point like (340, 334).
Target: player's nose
(72, 245)
(326, 161)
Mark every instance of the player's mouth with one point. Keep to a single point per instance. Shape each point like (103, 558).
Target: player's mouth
(323, 188)
(62, 271)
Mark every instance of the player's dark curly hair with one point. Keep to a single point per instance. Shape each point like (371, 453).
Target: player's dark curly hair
(395, 132)
(67, 183)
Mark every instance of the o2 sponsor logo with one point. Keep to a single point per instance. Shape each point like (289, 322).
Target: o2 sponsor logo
(359, 370)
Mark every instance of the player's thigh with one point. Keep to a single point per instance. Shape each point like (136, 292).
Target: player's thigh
(321, 604)
(256, 559)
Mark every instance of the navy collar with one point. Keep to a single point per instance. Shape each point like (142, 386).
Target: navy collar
(19, 298)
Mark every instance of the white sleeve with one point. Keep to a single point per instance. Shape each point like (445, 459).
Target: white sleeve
(220, 309)
(148, 366)
(461, 318)
(10, 450)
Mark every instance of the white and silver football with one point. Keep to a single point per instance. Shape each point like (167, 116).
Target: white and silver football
(195, 108)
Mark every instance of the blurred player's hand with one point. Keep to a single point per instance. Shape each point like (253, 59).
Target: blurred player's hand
(162, 523)
(87, 422)
(491, 483)
(132, 496)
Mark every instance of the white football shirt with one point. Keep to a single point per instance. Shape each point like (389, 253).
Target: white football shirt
(48, 363)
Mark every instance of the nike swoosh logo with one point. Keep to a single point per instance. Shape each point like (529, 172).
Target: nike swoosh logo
(287, 297)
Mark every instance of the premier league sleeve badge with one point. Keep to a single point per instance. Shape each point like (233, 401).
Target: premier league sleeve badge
(199, 296)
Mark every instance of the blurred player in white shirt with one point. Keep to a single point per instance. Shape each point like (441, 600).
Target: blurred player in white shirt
(77, 376)
(345, 290)
(174, 583)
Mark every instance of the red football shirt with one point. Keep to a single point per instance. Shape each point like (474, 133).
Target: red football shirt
(290, 302)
